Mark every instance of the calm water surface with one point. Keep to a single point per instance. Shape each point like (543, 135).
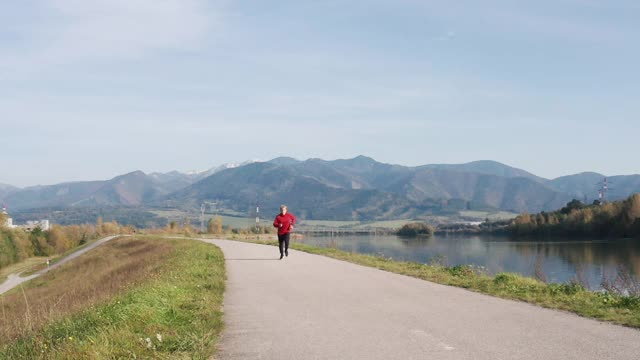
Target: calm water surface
(559, 261)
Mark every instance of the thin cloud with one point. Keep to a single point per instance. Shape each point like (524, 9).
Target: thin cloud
(79, 31)
(565, 20)
(449, 35)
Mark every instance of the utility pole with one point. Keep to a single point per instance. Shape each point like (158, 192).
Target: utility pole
(202, 209)
(257, 217)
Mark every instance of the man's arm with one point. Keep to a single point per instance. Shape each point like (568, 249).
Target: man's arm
(293, 222)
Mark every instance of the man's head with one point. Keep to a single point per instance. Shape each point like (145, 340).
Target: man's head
(283, 209)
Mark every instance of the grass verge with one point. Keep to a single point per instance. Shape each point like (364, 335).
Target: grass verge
(54, 258)
(139, 297)
(623, 310)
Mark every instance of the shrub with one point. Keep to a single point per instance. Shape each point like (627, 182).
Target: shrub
(416, 229)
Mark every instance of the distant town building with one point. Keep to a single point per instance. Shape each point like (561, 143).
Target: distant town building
(28, 226)
(9, 221)
(31, 225)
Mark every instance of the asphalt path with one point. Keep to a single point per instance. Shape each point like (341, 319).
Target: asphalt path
(313, 307)
(14, 280)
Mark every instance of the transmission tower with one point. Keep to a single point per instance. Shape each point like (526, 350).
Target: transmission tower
(602, 190)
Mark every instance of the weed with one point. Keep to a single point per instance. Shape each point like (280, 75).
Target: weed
(461, 270)
(571, 288)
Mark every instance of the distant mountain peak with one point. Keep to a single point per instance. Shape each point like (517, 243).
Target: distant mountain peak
(134, 173)
(486, 162)
(284, 160)
(359, 161)
(364, 158)
(201, 174)
(170, 173)
(583, 174)
(487, 167)
(195, 172)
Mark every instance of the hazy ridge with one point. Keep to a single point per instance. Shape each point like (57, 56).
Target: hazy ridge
(359, 188)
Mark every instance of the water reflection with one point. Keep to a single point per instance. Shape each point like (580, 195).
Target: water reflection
(556, 261)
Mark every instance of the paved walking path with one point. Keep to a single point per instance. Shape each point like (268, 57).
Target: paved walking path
(314, 307)
(14, 280)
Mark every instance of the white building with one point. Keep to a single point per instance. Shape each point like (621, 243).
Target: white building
(29, 225)
(9, 222)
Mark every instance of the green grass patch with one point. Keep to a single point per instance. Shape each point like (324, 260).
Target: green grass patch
(32, 265)
(623, 310)
(175, 312)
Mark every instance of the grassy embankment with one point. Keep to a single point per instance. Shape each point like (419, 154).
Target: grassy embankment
(124, 299)
(31, 265)
(624, 310)
(17, 245)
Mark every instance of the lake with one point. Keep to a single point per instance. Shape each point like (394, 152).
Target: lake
(557, 261)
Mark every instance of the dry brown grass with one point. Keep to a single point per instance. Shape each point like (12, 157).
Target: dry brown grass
(80, 284)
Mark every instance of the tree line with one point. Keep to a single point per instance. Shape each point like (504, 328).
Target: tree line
(610, 219)
(17, 244)
(215, 226)
(134, 216)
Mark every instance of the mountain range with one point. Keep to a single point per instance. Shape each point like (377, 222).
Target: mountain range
(356, 189)
(6, 190)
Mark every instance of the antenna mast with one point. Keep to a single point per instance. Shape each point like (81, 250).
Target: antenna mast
(602, 192)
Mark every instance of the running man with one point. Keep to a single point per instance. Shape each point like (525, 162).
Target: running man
(284, 222)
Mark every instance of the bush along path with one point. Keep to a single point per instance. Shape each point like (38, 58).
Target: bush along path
(15, 279)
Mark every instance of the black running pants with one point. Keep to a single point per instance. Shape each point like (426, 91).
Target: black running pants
(283, 240)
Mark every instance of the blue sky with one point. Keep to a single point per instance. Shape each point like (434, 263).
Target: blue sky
(93, 89)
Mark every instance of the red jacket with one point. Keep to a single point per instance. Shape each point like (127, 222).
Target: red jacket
(284, 223)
